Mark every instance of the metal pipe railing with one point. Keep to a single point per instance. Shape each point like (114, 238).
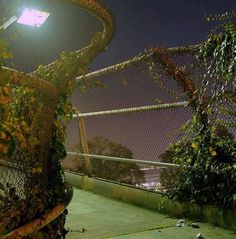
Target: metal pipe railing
(134, 109)
(125, 160)
(125, 64)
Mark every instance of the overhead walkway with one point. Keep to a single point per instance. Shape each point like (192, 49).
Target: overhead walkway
(92, 216)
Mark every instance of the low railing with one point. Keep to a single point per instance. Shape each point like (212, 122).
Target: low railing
(138, 173)
(125, 160)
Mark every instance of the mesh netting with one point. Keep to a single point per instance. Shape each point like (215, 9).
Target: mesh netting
(13, 177)
(148, 81)
(13, 192)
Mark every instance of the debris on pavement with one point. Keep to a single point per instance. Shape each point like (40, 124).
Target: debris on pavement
(199, 236)
(180, 223)
(194, 225)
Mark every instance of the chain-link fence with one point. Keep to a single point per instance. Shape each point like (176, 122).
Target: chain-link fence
(142, 107)
(13, 192)
(13, 178)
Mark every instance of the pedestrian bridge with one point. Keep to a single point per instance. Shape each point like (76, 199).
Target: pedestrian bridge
(125, 135)
(95, 216)
(97, 213)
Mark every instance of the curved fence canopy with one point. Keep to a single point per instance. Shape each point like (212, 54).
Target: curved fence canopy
(33, 107)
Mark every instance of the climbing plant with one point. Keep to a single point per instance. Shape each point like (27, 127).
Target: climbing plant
(33, 108)
(207, 154)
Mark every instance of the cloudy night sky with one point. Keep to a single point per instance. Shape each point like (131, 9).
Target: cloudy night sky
(140, 25)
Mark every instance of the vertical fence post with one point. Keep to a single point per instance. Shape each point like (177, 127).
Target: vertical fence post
(84, 143)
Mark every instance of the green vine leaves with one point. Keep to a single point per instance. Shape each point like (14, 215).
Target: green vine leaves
(221, 46)
(207, 152)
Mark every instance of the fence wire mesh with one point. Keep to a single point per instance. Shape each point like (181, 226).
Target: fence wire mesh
(16, 180)
(148, 134)
(13, 192)
(13, 177)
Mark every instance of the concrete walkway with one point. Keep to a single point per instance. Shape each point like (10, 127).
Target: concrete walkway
(93, 216)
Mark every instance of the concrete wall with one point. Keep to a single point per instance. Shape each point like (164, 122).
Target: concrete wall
(156, 201)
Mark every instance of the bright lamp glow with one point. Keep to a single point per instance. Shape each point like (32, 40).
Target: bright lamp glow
(33, 17)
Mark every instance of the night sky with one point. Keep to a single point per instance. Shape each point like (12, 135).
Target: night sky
(140, 24)
(143, 24)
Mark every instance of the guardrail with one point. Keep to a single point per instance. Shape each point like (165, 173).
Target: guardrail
(134, 109)
(144, 174)
(125, 160)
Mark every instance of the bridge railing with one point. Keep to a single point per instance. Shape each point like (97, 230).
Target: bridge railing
(143, 110)
(96, 159)
(144, 174)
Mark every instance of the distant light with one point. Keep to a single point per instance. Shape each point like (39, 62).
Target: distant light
(33, 17)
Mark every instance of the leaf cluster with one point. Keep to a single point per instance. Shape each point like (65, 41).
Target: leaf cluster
(207, 175)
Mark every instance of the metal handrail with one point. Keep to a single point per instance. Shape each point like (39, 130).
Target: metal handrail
(125, 64)
(134, 109)
(125, 160)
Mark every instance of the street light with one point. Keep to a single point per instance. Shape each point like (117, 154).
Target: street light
(30, 17)
(33, 17)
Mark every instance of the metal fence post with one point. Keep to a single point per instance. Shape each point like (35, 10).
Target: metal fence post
(84, 143)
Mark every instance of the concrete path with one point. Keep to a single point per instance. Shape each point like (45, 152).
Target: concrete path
(93, 216)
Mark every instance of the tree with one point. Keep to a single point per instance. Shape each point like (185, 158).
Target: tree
(129, 173)
(169, 176)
